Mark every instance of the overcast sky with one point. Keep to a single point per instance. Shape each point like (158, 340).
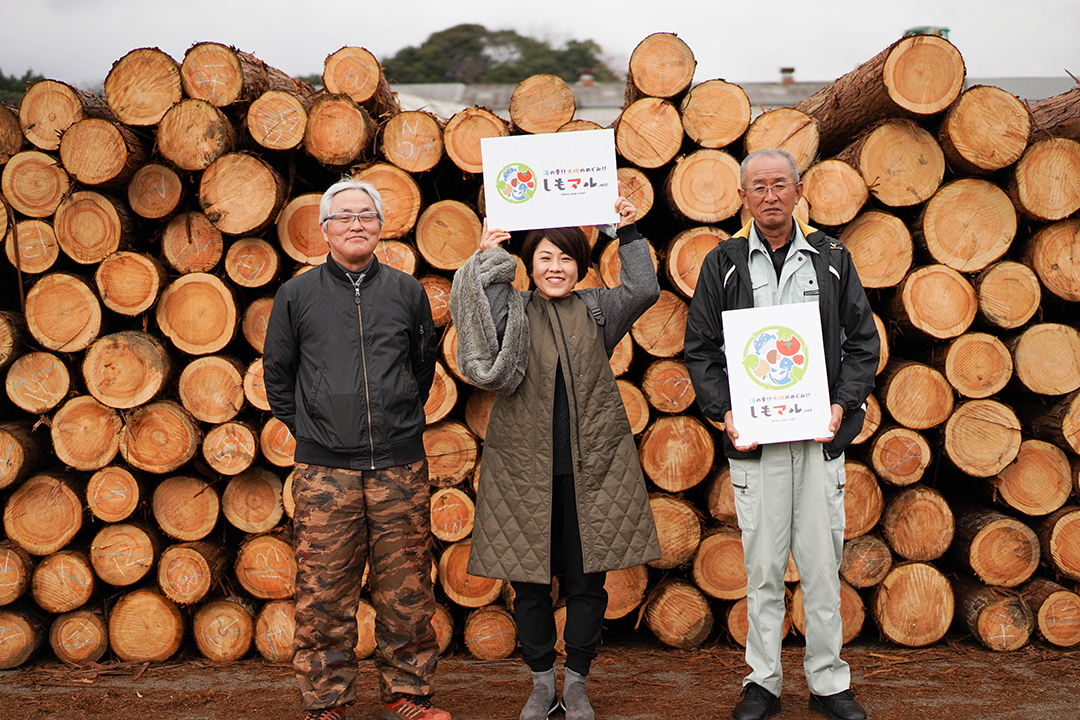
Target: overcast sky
(77, 41)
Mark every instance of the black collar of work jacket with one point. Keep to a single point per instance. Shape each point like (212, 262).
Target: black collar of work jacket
(337, 271)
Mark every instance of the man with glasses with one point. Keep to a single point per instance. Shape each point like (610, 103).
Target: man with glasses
(348, 363)
(788, 496)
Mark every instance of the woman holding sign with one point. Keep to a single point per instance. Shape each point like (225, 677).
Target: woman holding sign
(561, 490)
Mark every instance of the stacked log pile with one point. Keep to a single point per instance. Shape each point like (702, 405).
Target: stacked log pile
(145, 485)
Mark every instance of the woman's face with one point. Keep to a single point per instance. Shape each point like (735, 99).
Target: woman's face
(554, 272)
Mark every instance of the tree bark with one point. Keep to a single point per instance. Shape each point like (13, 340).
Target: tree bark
(919, 75)
(21, 452)
(1057, 116)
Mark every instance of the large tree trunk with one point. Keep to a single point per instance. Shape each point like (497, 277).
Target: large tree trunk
(919, 75)
(50, 107)
(95, 151)
(999, 620)
(649, 133)
(1055, 609)
(1057, 116)
(918, 523)
(901, 163)
(967, 224)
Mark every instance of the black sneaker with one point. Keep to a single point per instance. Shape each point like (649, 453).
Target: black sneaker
(757, 703)
(841, 706)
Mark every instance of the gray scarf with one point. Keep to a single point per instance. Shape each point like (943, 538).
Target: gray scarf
(480, 297)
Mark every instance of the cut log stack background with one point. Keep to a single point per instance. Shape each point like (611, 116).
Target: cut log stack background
(145, 484)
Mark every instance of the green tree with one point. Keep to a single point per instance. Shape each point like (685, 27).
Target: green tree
(472, 54)
(13, 88)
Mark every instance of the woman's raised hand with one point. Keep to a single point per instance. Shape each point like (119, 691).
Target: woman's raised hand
(626, 211)
(492, 237)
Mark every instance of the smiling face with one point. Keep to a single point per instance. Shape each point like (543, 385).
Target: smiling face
(770, 209)
(353, 243)
(554, 272)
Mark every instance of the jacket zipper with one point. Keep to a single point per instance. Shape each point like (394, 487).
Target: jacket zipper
(363, 362)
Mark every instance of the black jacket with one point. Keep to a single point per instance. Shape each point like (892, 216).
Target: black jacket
(852, 345)
(348, 370)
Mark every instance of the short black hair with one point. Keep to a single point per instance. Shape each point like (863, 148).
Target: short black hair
(571, 240)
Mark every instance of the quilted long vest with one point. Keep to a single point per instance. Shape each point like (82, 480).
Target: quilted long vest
(512, 533)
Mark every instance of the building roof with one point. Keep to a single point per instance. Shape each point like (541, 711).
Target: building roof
(602, 102)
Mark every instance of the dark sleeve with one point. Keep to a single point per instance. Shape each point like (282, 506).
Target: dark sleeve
(424, 348)
(281, 359)
(703, 350)
(860, 342)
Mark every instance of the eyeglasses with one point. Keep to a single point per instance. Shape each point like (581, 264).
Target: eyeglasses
(345, 219)
(761, 191)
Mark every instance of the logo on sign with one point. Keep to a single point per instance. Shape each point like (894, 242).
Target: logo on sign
(775, 357)
(516, 183)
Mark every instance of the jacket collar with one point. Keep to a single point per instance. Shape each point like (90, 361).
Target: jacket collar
(338, 272)
(805, 228)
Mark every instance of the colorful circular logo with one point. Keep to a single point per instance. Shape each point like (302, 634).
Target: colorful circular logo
(516, 183)
(775, 357)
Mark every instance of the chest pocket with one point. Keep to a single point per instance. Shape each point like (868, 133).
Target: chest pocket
(805, 282)
(764, 287)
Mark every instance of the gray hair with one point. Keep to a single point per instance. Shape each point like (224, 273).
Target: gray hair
(770, 153)
(341, 185)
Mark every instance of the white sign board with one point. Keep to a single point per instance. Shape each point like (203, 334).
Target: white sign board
(550, 180)
(776, 373)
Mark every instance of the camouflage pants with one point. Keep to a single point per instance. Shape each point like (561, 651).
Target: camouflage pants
(342, 519)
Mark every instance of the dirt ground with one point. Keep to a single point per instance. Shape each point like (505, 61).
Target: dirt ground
(955, 679)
